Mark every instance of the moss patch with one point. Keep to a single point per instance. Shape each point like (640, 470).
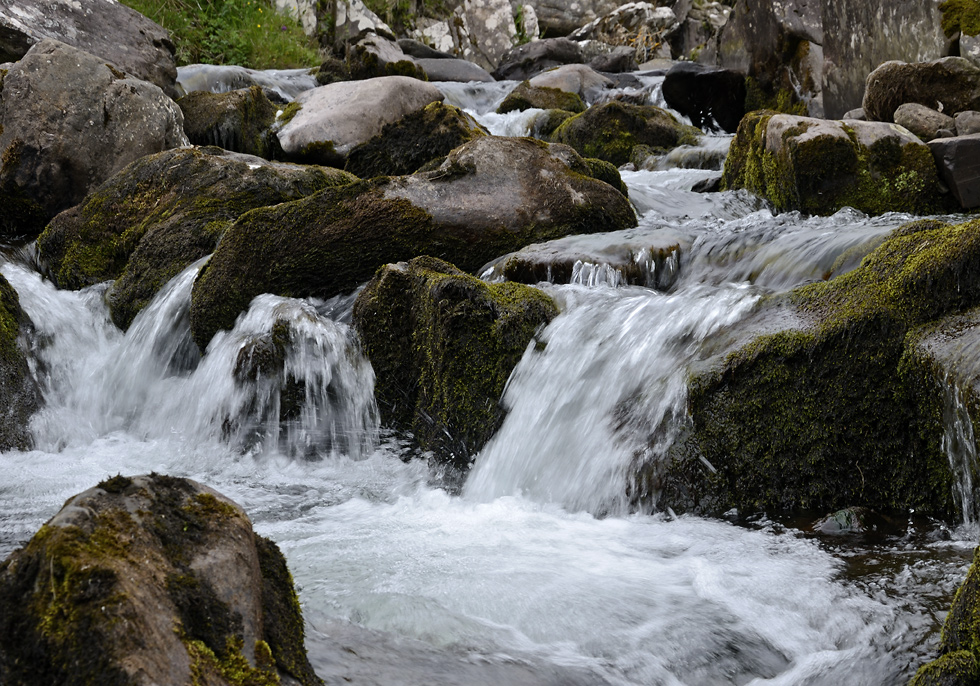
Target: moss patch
(442, 344)
(241, 121)
(526, 97)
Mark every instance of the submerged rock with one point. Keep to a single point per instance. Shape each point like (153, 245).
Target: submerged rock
(413, 141)
(490, 196)
(150, 580)
(324, 124)
(160, 214)
(20, 396)
(819, 166)
(610, 131)
(442, 344)
(830, 405)
(240, 121)
(69, 121)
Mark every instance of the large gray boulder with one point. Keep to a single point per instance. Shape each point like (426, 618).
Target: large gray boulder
(924, 122)
(70, 122)
(439, 69)
(354, 21)
(324, 124)
(490, 196)
(949, 85)
(375, 55)
(150, 580)
(483, 31)
(525, 61)
(580, 79)
(105, 28)
(20, 396)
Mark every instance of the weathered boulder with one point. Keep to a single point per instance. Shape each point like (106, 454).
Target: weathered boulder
(414, 140)
(640, 25)
(161, 213)
(20, 396)
(490, 196)
(958, 160)
(821, 402)
(105, 29)
(967, 122)
(240, 121)
(483, 31)
(69, 122)
(573, 78)
(375, 56)
(526, 97)
(560, 18)
(150, 580)
(354, 20)
(442, 344)
(617, 61)
(819, 166)
(610, 131)
(525, 61)
(453, 70)
(324, 124)
(420, 50)
(924, 122)
(697, 36)
(221, 78)
(949, 85)
(638, 258)
(709, 97)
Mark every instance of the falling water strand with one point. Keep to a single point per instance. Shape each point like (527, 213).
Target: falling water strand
(960, 447)
(603, 398)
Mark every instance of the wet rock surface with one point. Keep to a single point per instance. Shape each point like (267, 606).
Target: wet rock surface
(20, 396)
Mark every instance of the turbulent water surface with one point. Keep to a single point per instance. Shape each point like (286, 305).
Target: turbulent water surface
(539, 572)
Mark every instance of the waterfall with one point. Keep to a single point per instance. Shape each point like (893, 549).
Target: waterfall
(960, 446)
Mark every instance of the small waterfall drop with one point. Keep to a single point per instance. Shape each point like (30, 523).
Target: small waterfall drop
(603, 398)
(959, 444)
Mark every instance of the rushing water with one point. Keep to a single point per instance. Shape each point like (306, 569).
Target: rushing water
(539, 572)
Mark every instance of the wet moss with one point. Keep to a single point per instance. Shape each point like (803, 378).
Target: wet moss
(609, 131)
(240, 121)
(842, 411)
(546, 124)
(405, 146)
(526, 97)
(607, 173)
(442, 344)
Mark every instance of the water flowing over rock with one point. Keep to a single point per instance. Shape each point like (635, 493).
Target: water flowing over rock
(239, 121)
(106, 29)
(819, 166)
(326, 123)
(150, 579)
(958, 160)
(949, 85)
(19, 394)
(490, 196)
(829, 406)
(443, 344)
(222, 78)
(160, 214)
(70, 122)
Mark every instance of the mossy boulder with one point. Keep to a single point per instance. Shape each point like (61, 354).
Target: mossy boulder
(442, 344)
(958, 663)
(819, 166)
(150, 579)
(610, 131)
(490, 196)
(526, 97)
(20, 396)
(831, 405)
(375, 56)
(949, 85)
(158, 215)
(417, 138)
(239, 120)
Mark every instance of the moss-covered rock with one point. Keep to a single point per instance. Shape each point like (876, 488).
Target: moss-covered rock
(548, 121)
(490, 196)
(20, 396)
(442, 344)
(958, 663)
(161, 213)
(405, 146)
(950, 85)
(819, 166)
(150, 579)
(526, 97)
(239, 120)
(609, 131)
(832, 407)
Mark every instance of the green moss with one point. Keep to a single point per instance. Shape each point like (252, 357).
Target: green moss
(526, 97)
(842, 411)
(405, 146)
(465, 338)
(289, 112)
(546, 124)
(783, 100)
(231, 666)
(960, 15)
(607, 173)
(240, 120)
(609, 131)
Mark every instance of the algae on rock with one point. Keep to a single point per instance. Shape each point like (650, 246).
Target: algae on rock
(838, 409)
(160, 214)
(240, 121)
(442, 344)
